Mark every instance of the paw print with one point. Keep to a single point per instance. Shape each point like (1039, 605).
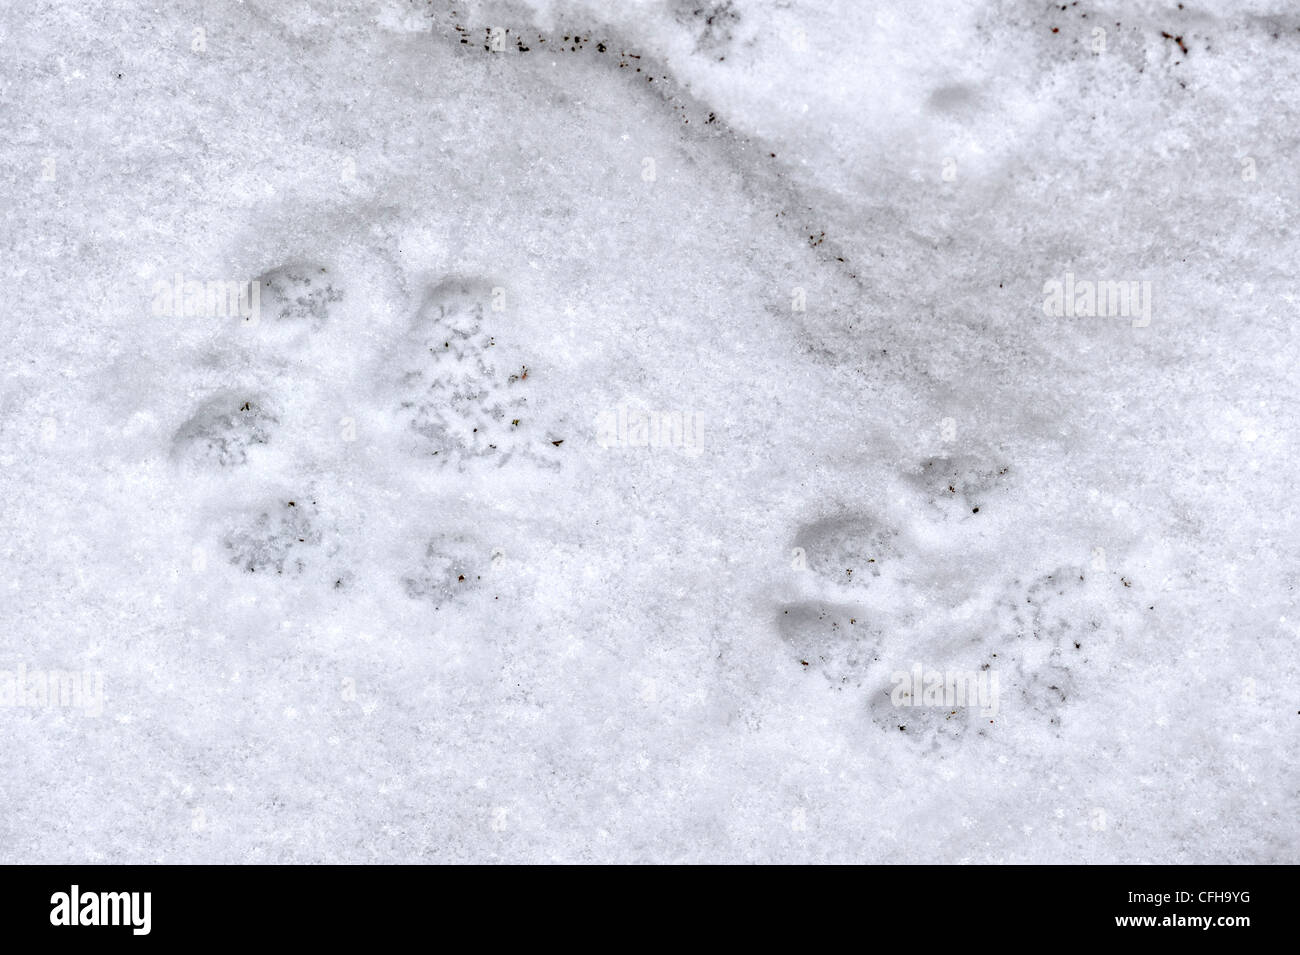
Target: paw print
(879, 601)
(463, 401)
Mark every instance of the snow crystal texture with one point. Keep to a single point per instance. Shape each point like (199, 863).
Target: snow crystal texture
(577, 432)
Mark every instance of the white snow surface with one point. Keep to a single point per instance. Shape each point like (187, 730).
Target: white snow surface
(367, 579)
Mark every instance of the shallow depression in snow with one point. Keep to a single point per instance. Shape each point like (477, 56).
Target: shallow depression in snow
(538, 431)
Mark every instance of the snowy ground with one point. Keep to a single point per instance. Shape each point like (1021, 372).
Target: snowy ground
(389, 568)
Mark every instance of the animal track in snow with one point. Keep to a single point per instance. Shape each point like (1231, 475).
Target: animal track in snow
(1032, 638)
(464, 400)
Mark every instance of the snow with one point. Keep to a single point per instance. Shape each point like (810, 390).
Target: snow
(365, 578)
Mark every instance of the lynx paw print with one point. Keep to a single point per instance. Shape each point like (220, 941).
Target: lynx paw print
(880, 601)
(462, 401)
